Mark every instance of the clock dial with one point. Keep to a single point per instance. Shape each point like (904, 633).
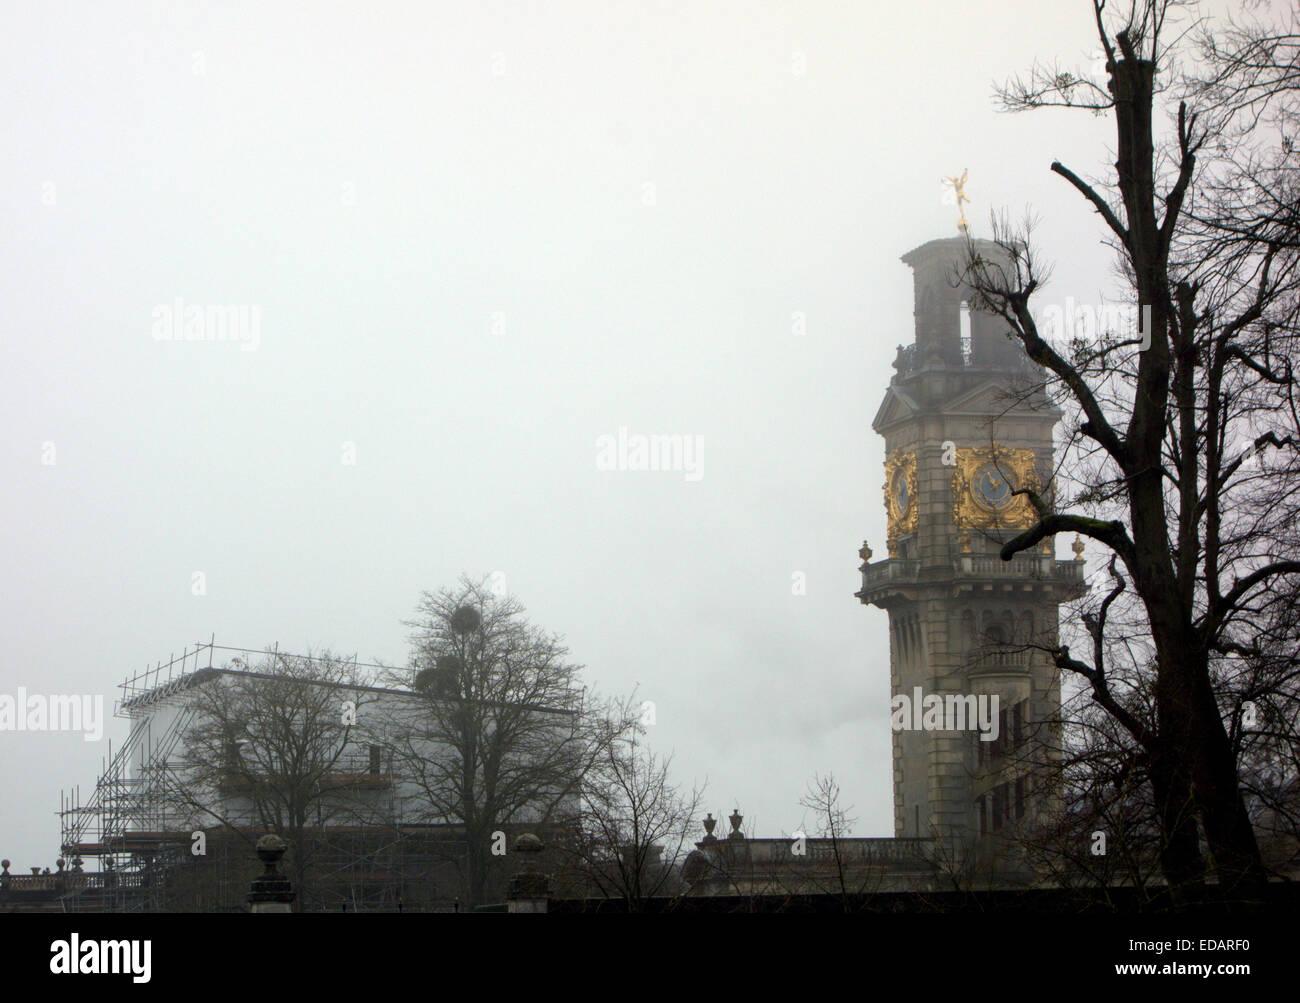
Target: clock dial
(984, 486)
(991, 487)
(901, 495)
(899, 491)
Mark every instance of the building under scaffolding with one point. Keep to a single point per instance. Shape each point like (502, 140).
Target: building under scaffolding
(131, 845)
(123, 825)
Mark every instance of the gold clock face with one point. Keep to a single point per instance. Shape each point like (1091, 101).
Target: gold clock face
(982, 486)
(902, 495)
(991, 488)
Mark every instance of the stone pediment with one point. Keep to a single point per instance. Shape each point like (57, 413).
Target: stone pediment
(992, 398)
(898, 405)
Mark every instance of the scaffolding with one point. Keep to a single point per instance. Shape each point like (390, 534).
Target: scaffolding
(141, 841)
(124, 823)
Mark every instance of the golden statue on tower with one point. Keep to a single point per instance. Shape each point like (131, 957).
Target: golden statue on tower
(958, 186)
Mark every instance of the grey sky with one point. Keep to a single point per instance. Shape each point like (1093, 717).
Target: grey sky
(442, 214)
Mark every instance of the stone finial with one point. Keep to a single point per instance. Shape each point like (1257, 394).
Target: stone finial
(709, 838)
(529, 888)
(735, 818)
(270, 848)
(1077, 547)
(865, 552)
(271, 892)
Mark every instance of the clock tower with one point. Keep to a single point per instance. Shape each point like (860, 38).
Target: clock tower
(975, 698)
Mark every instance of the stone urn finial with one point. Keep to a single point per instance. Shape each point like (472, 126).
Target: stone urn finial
(865, 552)
(1077, 547)
(270, 848)
(709, 823)
(529, 888)
(735, 818)
(271, 892)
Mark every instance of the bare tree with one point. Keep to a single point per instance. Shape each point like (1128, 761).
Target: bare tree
(634, 823)
(1247, 82)
(1102, 829)
(500, 733)
(833, 823)
(1156, 435)
(267, 750)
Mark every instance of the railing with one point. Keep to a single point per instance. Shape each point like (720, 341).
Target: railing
(1070, 572)
(958, 354)
(1020, 566)
(911, 850)
(1040, 566)
(892, 570)
(68, 881)
(1003, 660)
(992, 566)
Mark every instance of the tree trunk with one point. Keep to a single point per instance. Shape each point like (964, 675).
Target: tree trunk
(1231, 837)
(1180, 854)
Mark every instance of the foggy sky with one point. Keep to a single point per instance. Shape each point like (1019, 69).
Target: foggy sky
(479, 237)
